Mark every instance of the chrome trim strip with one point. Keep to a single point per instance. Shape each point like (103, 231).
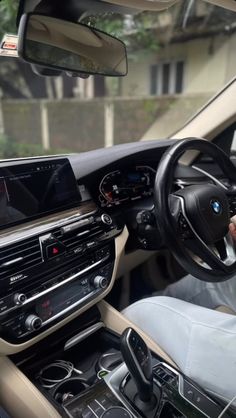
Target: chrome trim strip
(68, 309)
(12, 262)
(56, 286)
(83, 335)
(79, 302)
(48, 227)
(216, 181)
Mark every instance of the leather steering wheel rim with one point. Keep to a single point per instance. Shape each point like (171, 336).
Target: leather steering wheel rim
(169, 208)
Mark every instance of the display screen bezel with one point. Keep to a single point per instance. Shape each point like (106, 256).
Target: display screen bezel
(19, 168)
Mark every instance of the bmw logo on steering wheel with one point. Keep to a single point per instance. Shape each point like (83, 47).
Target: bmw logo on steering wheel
(216, 207)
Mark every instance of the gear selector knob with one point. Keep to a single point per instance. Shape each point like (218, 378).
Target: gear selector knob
(138, 359)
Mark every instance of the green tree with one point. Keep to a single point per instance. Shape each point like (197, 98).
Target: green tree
(17, 80)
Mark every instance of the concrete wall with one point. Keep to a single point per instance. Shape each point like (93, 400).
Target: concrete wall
(77, 126)
(21, 120)
(209, 65)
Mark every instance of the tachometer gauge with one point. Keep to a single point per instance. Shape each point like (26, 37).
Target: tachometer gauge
(113, 189)
(126, 185)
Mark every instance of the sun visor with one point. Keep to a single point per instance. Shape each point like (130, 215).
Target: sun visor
(154, 5)
(226, 4)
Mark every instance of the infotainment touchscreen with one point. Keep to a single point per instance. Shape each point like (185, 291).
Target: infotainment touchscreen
(31, 190)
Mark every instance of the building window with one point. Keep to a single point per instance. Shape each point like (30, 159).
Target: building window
(167, 78)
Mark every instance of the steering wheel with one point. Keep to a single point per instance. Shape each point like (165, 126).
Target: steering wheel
(194, 220)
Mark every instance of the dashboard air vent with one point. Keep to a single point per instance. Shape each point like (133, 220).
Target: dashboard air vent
(82, 236)
(19, 256)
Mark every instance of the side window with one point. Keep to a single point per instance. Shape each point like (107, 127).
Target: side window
(226, 140)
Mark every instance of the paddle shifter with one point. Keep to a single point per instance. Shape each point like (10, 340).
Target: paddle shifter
(138, 360)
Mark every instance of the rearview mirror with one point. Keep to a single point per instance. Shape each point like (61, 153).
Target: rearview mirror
(64, 45)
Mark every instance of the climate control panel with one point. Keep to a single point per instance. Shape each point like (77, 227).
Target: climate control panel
(39, 314)
(57, 271)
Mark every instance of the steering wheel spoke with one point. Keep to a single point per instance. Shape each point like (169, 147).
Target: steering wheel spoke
(182, 225)
(218, 255)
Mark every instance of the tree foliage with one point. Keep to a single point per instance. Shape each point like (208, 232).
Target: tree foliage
(17, 79)
(8, 13)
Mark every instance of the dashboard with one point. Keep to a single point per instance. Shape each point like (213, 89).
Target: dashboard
(60, 219)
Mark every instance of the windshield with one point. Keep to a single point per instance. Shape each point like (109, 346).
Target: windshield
(178, 59)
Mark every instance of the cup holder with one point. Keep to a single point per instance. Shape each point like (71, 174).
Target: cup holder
(68, 389)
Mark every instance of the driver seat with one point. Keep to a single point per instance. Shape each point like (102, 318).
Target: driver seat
(201, 341)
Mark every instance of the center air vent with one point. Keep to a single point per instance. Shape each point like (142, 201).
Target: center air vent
(19, 256)
(78, 238)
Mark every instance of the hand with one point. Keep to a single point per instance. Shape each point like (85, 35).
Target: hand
(232, 230)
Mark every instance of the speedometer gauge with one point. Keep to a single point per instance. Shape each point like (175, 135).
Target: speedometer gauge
(112, 188)
(129, 184)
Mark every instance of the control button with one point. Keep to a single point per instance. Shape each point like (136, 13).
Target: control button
(116, 412)
(19, 298)
(91, 244)
(100, 282)
(106, 219)
(184, 227)
(102, 253)
(54, 250)
(78, 250)
(189, 391)
(145, 217)
(87, 413)
(96, 408)
(33, 323)
(205, 404)
(104, 402)
(5, 304)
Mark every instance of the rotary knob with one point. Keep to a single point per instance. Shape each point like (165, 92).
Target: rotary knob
(19, 298)
(33, 323)
(106, 219)
(116, 412)
(100, 282)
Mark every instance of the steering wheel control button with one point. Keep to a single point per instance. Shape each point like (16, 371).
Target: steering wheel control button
(184, 228)
(33, 323)
(145, 217)
(19, 298)
(232, 205)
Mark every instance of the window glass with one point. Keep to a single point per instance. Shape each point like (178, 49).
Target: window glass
(178, 59)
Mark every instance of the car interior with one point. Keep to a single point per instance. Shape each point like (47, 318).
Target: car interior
(83, 236)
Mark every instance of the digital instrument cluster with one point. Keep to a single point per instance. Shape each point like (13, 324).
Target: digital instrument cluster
(121, 186)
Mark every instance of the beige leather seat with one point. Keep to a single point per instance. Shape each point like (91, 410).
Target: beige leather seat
(225, 309)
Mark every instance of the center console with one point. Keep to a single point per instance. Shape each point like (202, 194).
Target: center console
(57, 251)
(101, 384)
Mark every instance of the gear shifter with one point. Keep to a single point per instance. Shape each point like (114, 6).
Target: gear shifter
(138, 359)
